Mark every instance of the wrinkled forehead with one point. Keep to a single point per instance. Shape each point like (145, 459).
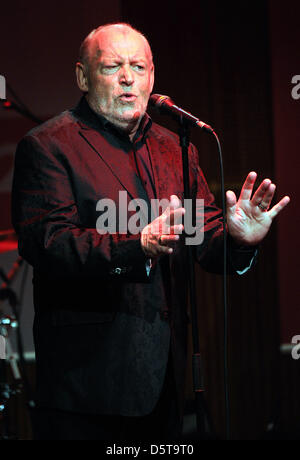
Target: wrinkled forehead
(119, 43)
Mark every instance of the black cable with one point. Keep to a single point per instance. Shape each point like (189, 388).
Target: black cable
(19, 106)
(226, 384)
(25, 113)
(16, 97)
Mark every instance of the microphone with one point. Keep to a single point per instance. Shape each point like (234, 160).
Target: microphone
(165, 105)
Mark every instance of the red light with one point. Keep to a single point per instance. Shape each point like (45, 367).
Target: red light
(7, 104)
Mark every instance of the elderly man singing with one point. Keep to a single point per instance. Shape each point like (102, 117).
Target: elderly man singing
(110, 323)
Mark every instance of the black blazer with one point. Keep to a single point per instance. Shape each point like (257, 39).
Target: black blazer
(102, 340)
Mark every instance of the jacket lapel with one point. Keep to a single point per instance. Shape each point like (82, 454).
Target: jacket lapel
(114, 159)
(92, 130)
(118, 161)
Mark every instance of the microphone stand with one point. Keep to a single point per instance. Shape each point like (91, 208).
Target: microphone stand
(198, 386)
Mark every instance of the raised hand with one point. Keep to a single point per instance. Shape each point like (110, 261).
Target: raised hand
(249, 219)
(161, 234)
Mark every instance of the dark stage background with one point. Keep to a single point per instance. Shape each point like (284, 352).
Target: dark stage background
(230, 63)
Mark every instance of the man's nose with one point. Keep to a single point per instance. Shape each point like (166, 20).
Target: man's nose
(127, 76)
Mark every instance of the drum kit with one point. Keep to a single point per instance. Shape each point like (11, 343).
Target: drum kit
(9, 386)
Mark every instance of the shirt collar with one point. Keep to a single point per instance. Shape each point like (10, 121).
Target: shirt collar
(88, 116)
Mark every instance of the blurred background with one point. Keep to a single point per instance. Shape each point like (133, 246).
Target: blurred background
(234, 65)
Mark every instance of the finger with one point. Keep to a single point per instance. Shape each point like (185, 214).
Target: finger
(266, 201)
(175, 202)
(171, 230)
(169, 217)
(164, 250)
(261, 192)
(279, 207)
(248, 186)
(176, 229)
(231, 201)
(174, 217)
(165, 240)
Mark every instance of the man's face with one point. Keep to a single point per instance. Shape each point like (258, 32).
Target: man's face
(120, 77)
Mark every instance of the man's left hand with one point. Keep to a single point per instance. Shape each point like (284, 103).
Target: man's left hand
(249, 219)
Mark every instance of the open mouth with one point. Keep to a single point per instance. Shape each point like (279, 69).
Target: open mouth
(128, 97)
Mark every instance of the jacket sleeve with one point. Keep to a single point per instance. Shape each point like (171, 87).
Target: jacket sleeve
(209, 253)
(51, 236)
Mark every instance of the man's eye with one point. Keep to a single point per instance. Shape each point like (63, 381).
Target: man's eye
(110, 68)
(138, 67)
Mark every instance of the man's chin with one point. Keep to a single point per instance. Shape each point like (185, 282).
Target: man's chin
(129, 120)
(130, 116)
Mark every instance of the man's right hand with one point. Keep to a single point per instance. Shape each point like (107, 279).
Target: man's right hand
(160, 236)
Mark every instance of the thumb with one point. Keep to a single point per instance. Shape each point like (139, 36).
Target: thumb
(168, 216)
(175, 202)
(231, 202)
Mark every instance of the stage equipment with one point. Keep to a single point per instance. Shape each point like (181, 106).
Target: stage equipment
(8, 242)
(186, 120)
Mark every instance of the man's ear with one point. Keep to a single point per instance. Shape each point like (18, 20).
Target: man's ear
(152, 78)
(82, 80)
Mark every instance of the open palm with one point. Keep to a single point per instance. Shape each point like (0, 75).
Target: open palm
(249, 219)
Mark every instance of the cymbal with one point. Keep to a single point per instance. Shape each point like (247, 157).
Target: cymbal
(8, 241)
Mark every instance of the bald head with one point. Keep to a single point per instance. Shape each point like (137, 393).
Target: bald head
(92, 44)
(116, 72)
